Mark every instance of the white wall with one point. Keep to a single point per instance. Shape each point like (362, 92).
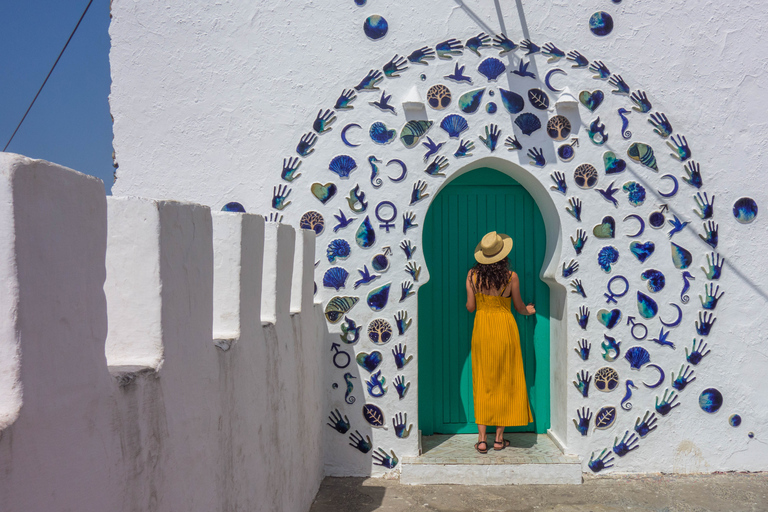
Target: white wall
(64, 430)
(209, 99)
(157, 415)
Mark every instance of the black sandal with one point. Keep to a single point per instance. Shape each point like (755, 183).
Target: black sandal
(503, 442)
(477, 447)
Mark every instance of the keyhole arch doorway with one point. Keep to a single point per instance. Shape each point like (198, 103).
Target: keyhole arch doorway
(488, 194)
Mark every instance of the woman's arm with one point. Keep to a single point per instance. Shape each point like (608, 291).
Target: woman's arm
(470, 293)
(520, 307)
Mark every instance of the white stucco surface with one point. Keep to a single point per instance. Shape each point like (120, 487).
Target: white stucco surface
(167, 419)
(10, 401)
(58, 231)
(209, 100)
(133, 255)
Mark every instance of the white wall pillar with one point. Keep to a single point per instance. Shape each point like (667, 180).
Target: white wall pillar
(303, 289)
(58, 454)
(279, 246)
(133, 284)
(238, 259)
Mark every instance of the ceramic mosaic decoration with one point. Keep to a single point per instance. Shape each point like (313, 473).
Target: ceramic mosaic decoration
(585, 176)
(606, 379)
(380, 134)
(550, 74)
(491, 68)
(559, 128)
(375, 27)
(438, 97)
(472, 118)
(312, 220)
(591, 100)
(601, 23)
(745, 210)
(233, 207)
(470, 101)
(528, 123)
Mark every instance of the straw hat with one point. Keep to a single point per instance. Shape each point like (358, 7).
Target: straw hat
(493, 247)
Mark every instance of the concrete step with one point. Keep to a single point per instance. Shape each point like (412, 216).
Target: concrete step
(452, 459)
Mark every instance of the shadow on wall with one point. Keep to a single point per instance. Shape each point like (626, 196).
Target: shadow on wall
(346, 383)
(742, 274)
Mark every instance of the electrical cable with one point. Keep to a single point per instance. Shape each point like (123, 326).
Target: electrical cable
(49, 75)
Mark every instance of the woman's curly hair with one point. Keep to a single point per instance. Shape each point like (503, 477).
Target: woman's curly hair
(491, 276)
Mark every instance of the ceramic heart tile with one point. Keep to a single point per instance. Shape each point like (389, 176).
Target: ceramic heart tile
(610, 319)
(642, 251)
(613, 165)
(606, 229)
(323, 192)
(591, 100)
(369, 361)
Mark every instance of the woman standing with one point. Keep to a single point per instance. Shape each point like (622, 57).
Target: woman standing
(498, 379)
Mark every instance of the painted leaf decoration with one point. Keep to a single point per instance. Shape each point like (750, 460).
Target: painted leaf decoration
(373, 415)
(538, 99)
(605, 417)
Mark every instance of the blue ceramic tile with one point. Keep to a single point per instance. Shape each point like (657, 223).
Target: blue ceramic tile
(312, 220)
(601, 23)
(323, 193)
(375, 27)
(710, 400)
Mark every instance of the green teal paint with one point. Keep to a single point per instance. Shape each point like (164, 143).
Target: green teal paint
(473, 204)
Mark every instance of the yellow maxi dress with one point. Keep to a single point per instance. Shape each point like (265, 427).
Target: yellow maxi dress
(498, 378)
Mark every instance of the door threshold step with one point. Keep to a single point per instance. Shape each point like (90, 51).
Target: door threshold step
(452, 459)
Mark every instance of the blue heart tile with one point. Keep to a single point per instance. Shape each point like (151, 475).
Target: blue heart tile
(369, 361)
(609, 318)
(642, 251)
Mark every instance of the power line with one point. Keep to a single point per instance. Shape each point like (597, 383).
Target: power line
(49, 75)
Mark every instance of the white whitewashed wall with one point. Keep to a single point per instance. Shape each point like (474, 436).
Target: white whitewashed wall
(209, 101)
(148, 362)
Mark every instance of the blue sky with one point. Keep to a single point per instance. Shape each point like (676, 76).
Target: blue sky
(70, 122)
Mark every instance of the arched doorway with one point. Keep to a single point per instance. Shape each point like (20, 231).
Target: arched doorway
(465, 209)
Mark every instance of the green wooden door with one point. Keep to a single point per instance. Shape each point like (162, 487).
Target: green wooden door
(467, 208)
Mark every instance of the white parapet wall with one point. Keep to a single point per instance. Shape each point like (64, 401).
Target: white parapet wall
(142, 366)
(62, 450)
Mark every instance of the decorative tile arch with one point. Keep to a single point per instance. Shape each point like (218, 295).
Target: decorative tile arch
(592, 154)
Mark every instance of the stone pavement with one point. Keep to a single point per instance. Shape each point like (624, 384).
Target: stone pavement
(526, 448)
(728, 492)
(452, 459)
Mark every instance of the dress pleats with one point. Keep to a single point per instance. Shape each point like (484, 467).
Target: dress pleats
(498, 377)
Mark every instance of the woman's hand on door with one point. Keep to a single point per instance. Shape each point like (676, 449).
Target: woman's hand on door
(520, 306)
